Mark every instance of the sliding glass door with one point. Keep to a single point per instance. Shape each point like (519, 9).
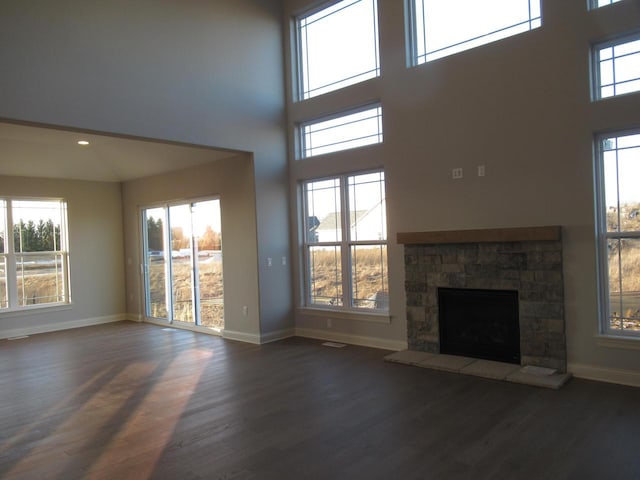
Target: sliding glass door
(183, 263)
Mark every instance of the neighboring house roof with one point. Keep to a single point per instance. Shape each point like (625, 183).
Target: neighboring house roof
(332, 221)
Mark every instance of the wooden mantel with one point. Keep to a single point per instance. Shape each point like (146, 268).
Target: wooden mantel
(520, 234)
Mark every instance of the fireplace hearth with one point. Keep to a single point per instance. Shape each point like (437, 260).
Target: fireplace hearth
(526, 260)
(479, 323)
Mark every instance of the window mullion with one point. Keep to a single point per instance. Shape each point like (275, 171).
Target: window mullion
(195, 291)
(306, 257)
(347, 283)
(168, 264)
(12, 277)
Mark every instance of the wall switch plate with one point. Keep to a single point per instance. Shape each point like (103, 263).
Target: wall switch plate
(456, 173)
(269, 261)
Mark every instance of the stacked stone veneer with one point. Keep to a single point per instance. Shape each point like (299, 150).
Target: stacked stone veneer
(533, 268)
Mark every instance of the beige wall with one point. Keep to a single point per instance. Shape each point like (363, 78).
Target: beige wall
(211, 73)
(204, 73)
(232, 181)
(95, 253)
(522, 108)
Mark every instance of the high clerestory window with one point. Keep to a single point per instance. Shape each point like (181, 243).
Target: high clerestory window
(617, 67)
(602, 3)
(34, 255)
(443, 27)
(355, 128)
(618, 177)
(337, 46)
(345, 243)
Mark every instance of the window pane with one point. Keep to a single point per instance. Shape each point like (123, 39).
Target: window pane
(369, 277)
(628, 191)
(349, 131)
(621, 168)
(606, 73)
(325, 275)
(610, 169)
(40, 279)
(624, 284)
(207, 229)
(323, 211)
(618, 68)
(3, 223)
(444, 27)
(605, 53)
(338, 46)
(3, 282)
(156, 263)
(37, 225)
(181, 267)
(627, 87)
(367, 207)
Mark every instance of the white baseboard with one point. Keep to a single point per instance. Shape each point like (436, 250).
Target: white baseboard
(363, 341)
(277, 335)
(134, 317)
(153, 321)
(241, 336)
(609, 375)
(54, 327)
(182, 326)
(258, 339)
(228, 334)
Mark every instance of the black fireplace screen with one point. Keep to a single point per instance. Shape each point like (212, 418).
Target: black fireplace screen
(479, 323)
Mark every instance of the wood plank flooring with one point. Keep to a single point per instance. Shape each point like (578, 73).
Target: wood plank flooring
(136, 401)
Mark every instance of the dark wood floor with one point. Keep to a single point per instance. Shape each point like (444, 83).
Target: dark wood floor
(134, 401)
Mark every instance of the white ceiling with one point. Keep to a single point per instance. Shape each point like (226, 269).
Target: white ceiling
(34, 151)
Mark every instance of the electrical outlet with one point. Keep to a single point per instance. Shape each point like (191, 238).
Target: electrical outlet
(456, 173)
(284, 261)
(269, 262)
(481, 170)
(329, 323)
(245, 310)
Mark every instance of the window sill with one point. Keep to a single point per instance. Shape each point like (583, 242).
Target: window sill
(373, 317)
(34, 310)
(618, 341)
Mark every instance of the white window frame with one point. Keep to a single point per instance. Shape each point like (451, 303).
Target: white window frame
(596, 71)
(345, 243)
(603, 236)
(301, 54)
(416, 58)
(306, 131)
(10, 257)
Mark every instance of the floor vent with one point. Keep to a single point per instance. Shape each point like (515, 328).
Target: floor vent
(334, 344)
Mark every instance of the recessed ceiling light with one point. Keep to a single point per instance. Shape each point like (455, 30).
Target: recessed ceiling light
(83, 142)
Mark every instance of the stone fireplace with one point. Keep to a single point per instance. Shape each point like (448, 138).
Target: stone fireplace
(525, 260)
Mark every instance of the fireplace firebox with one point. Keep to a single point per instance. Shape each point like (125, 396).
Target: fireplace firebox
(479, 323)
